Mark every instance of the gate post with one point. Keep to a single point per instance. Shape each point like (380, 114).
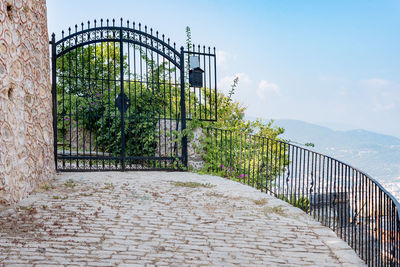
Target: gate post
(183, 108)
(121, 59)
(54, 94)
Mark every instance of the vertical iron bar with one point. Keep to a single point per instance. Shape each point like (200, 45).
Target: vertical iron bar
(331, 188)
(307, 194)
(301, 198)
(254, 156)
(54, 94)
(215, 82)
(262, 163)
(70, 105)
(121, 59)
(198, 49)
(291, 152)
(205, 83)
(83, 109)
(323, 209)
(129, 130)
(109, 99)
(96, 96)
(91, 101)
(63, 101)
(279, 169)
(240, 155)
(249, 166)
(104, 133)
(275, 167)
(115, 95)
(76, 102)
(353, 199)
(183, 108)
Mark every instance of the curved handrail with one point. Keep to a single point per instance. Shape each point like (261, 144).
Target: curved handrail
(355, 205)
(395, 201)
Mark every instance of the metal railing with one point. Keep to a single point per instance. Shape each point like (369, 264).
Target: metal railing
(354, 205)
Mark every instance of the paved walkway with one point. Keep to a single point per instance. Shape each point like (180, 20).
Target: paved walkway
(162, 219)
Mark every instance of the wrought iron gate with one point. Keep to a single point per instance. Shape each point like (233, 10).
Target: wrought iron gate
(120, 98)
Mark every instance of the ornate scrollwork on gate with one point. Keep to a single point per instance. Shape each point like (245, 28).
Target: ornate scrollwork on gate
(120, 33)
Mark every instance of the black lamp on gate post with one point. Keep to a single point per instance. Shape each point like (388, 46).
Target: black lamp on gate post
(195, 72)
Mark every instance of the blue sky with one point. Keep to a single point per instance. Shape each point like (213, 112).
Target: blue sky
(335, 63)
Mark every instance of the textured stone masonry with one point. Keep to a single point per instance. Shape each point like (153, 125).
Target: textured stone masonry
(166, 144)
(26, 136)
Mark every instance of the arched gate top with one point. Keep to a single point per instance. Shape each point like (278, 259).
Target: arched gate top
(113, 33)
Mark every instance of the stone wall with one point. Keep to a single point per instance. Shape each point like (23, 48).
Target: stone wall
(26, 135)
(164, 147)
(195, 159)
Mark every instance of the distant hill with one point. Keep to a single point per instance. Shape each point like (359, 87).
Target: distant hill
(376, 154)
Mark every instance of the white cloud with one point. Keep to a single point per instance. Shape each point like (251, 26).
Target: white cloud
(375, 83)
(343, 91)
(383, 107)
(383, 94)
(223, 58)
(385, 100)
(332, 79)
(225, 83)
(266, 88)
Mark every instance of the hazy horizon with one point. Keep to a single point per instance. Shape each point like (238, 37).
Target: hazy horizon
(330, 125)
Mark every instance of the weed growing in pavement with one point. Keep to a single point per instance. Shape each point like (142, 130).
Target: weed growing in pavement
(192, 184)
(70, 183)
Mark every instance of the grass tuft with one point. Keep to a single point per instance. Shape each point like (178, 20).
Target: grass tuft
(279, 210)
(70, 183)
(109, 186)
(58, 197)
(47, 187)
(192, 184)
(260, 202)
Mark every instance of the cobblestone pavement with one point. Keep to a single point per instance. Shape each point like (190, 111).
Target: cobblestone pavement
(162, 219)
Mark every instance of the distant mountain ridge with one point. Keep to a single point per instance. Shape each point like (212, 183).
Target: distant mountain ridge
(376, 154)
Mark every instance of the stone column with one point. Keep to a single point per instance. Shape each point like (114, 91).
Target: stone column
(26, 135)
(164, 146)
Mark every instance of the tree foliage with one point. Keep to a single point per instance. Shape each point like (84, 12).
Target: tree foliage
(89, 81)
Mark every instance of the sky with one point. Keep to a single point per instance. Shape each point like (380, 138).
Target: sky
(334, 63)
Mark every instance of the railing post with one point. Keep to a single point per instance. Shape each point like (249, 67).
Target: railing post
(183, 108)
(54, 94)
